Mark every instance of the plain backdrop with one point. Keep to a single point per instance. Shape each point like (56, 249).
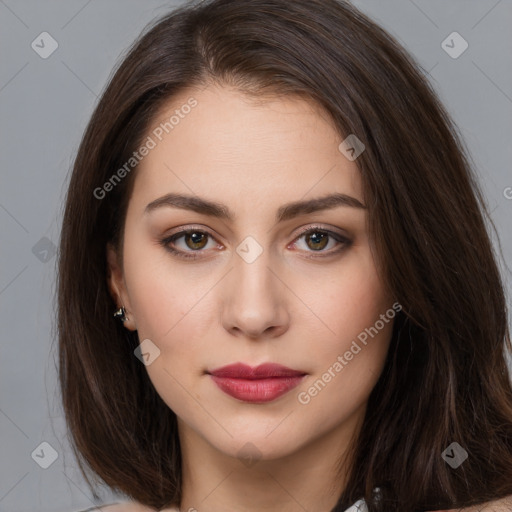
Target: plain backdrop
(45, 104)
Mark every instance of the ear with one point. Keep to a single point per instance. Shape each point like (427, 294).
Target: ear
(117, 286)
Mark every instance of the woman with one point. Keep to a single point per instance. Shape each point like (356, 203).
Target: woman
(276, 287)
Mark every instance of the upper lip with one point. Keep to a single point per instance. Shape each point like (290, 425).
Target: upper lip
(263, 371)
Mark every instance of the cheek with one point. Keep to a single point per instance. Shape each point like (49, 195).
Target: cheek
(350, 358)
(161, 297)
(171, 310)
(168, 311)
(350, 302)
(156, 304)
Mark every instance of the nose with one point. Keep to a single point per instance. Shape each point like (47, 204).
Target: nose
(255, 299)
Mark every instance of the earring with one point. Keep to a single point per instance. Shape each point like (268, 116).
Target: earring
(121, 314)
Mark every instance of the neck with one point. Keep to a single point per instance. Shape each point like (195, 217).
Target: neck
(310, 478)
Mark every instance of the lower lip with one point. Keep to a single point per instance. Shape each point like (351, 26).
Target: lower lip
(257, 390)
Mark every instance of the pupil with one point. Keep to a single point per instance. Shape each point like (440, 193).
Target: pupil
(196, 238)
(314, 238)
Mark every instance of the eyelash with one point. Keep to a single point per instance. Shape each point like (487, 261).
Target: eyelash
(192, 255)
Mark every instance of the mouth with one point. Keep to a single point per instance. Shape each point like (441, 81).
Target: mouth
(260, 384)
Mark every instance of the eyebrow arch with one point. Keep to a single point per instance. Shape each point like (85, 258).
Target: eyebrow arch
(221, 211)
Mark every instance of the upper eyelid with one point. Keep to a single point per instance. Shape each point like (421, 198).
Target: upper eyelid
(302, 230)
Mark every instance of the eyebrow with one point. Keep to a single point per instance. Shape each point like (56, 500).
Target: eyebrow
(221, 211)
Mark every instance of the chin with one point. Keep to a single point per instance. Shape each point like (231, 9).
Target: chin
(258, 446)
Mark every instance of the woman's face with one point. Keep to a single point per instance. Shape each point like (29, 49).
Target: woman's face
(246, 286)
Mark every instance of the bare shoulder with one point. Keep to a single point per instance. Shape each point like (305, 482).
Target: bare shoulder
(500, 505)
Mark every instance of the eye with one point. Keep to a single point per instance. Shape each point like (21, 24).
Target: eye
(193, 239)
(317, 239)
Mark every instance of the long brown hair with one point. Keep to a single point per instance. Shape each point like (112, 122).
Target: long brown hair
(445, 379)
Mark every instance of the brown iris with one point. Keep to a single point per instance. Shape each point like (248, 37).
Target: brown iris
(198, 240)
(318, 238)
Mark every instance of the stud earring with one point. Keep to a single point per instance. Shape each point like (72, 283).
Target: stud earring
(121, 314)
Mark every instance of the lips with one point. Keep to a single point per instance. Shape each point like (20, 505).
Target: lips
(263, 383)
(263, 371)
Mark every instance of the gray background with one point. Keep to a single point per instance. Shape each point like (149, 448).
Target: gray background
(44, 107)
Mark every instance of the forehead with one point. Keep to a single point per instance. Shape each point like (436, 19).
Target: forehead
(217, 142)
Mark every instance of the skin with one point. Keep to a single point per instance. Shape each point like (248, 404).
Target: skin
(501, 505)
(283, 307)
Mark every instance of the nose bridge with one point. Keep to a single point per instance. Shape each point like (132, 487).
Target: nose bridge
(254, 301)
(252, 275)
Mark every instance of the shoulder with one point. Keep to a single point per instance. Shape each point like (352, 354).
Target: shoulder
(499, 505)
